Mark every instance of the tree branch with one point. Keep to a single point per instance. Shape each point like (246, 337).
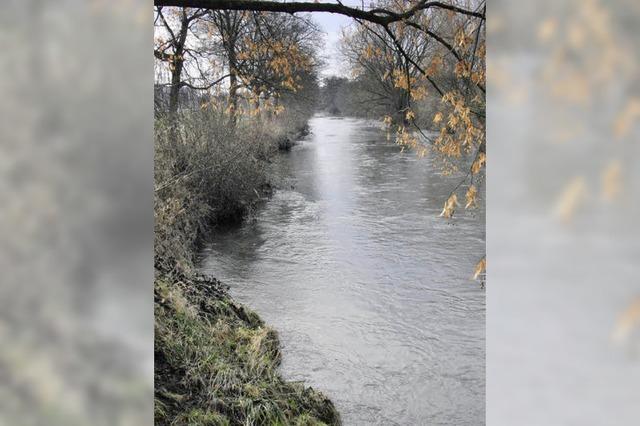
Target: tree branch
(208, 86)
(376, 16)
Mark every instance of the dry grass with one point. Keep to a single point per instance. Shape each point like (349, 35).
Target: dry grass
(215, 361)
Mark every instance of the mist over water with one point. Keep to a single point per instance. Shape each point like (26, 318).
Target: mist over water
(369, 290)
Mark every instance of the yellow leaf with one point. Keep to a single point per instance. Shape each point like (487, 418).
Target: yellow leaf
(481, 267)
(572, 196)
(629, 320)
(478, 163)
(611, 181)
(437, 118)
(627, 118)
(547, 29)
(471, 197)
(449, 206)
(410, 115)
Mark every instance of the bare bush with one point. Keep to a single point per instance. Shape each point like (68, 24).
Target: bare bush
(208, 170)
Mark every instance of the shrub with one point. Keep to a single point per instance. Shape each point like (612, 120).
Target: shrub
(207, 170)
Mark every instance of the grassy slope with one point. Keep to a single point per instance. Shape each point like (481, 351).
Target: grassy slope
(216, 363)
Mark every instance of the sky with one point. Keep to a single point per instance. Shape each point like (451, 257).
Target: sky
(332, 25)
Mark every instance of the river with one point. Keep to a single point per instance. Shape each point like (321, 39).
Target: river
(369, 289)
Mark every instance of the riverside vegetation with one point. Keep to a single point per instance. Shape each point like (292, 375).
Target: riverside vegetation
(215, 360)
(234, 82)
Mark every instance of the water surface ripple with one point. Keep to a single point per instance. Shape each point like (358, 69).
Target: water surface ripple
(367, 287)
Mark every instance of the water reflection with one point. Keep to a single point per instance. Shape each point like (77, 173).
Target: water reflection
(369, 289)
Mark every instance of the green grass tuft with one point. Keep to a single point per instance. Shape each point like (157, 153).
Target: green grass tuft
(216, 364)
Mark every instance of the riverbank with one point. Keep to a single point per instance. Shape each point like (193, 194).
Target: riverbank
(289, 140)
(216, 362)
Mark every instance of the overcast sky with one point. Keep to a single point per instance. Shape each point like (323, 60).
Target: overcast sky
(332, 25)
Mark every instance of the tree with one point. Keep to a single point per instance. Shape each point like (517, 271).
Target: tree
(381, 68)
(231, 27)
(173, 49)
(393, 46)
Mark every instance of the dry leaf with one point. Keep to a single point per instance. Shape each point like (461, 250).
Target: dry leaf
(629, 319)
(572, 196)
(481, 267)
(471, 196)
(478, 163)
(449, 206)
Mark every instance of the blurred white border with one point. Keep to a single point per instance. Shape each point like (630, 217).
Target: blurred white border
(76, 309)
(562, 213)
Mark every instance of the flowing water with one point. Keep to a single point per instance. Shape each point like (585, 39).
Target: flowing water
(369, 290)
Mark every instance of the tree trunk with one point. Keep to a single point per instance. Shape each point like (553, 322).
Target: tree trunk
(233, 65)
(176, 83)
(178, 64)
(402, 103)
(233, 77)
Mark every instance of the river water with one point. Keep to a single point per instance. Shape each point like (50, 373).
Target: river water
(369, 290)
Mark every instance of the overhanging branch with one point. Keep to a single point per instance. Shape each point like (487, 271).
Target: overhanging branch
(376, 16)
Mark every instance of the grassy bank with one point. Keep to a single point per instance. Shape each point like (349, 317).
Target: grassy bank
(216, 363)
(215, 360)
